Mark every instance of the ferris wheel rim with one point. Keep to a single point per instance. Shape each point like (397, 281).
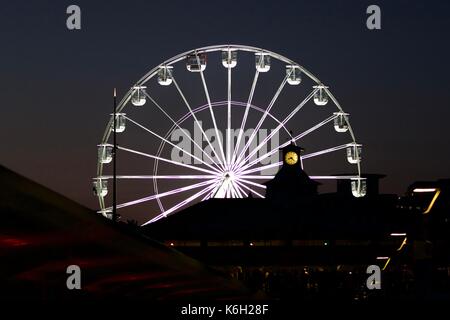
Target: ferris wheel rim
(208, 49)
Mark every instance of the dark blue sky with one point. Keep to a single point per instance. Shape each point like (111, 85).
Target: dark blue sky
(55, 84)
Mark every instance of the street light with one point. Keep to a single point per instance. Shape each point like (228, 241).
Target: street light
(114, 152)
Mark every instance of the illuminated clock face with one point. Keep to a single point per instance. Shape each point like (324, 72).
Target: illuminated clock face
(291, 158)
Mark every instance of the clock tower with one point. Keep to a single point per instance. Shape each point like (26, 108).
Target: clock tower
(291, 156)
(291, 186)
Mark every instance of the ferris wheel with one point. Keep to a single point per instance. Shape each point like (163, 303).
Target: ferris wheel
(209, 123)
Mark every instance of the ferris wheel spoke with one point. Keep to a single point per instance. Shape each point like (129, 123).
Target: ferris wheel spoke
(249, 189)
(208, 195)
(306, 156)
(263, 117)
(167, 160)
(158, 217)
(197, 122)
(181, 204)
(334, 177)
(211, 111)
(258, 177)
(161, 177)
(266, 139)
(257, 169)
(296, 138)
(251, 183)
(321, 152)
(172, 144)
(161, 195)
(183, 131)
(317, 126)
(244, 119)
(211, 192)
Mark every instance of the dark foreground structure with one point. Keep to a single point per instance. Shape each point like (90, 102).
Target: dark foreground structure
(42, 233)
(298, 244)
(302, 246)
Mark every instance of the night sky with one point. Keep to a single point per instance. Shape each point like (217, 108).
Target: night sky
(56, 84)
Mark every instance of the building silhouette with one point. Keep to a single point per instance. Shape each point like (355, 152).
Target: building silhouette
(295, 232)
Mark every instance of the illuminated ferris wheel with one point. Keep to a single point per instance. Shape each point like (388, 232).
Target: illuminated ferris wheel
(208, 123)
